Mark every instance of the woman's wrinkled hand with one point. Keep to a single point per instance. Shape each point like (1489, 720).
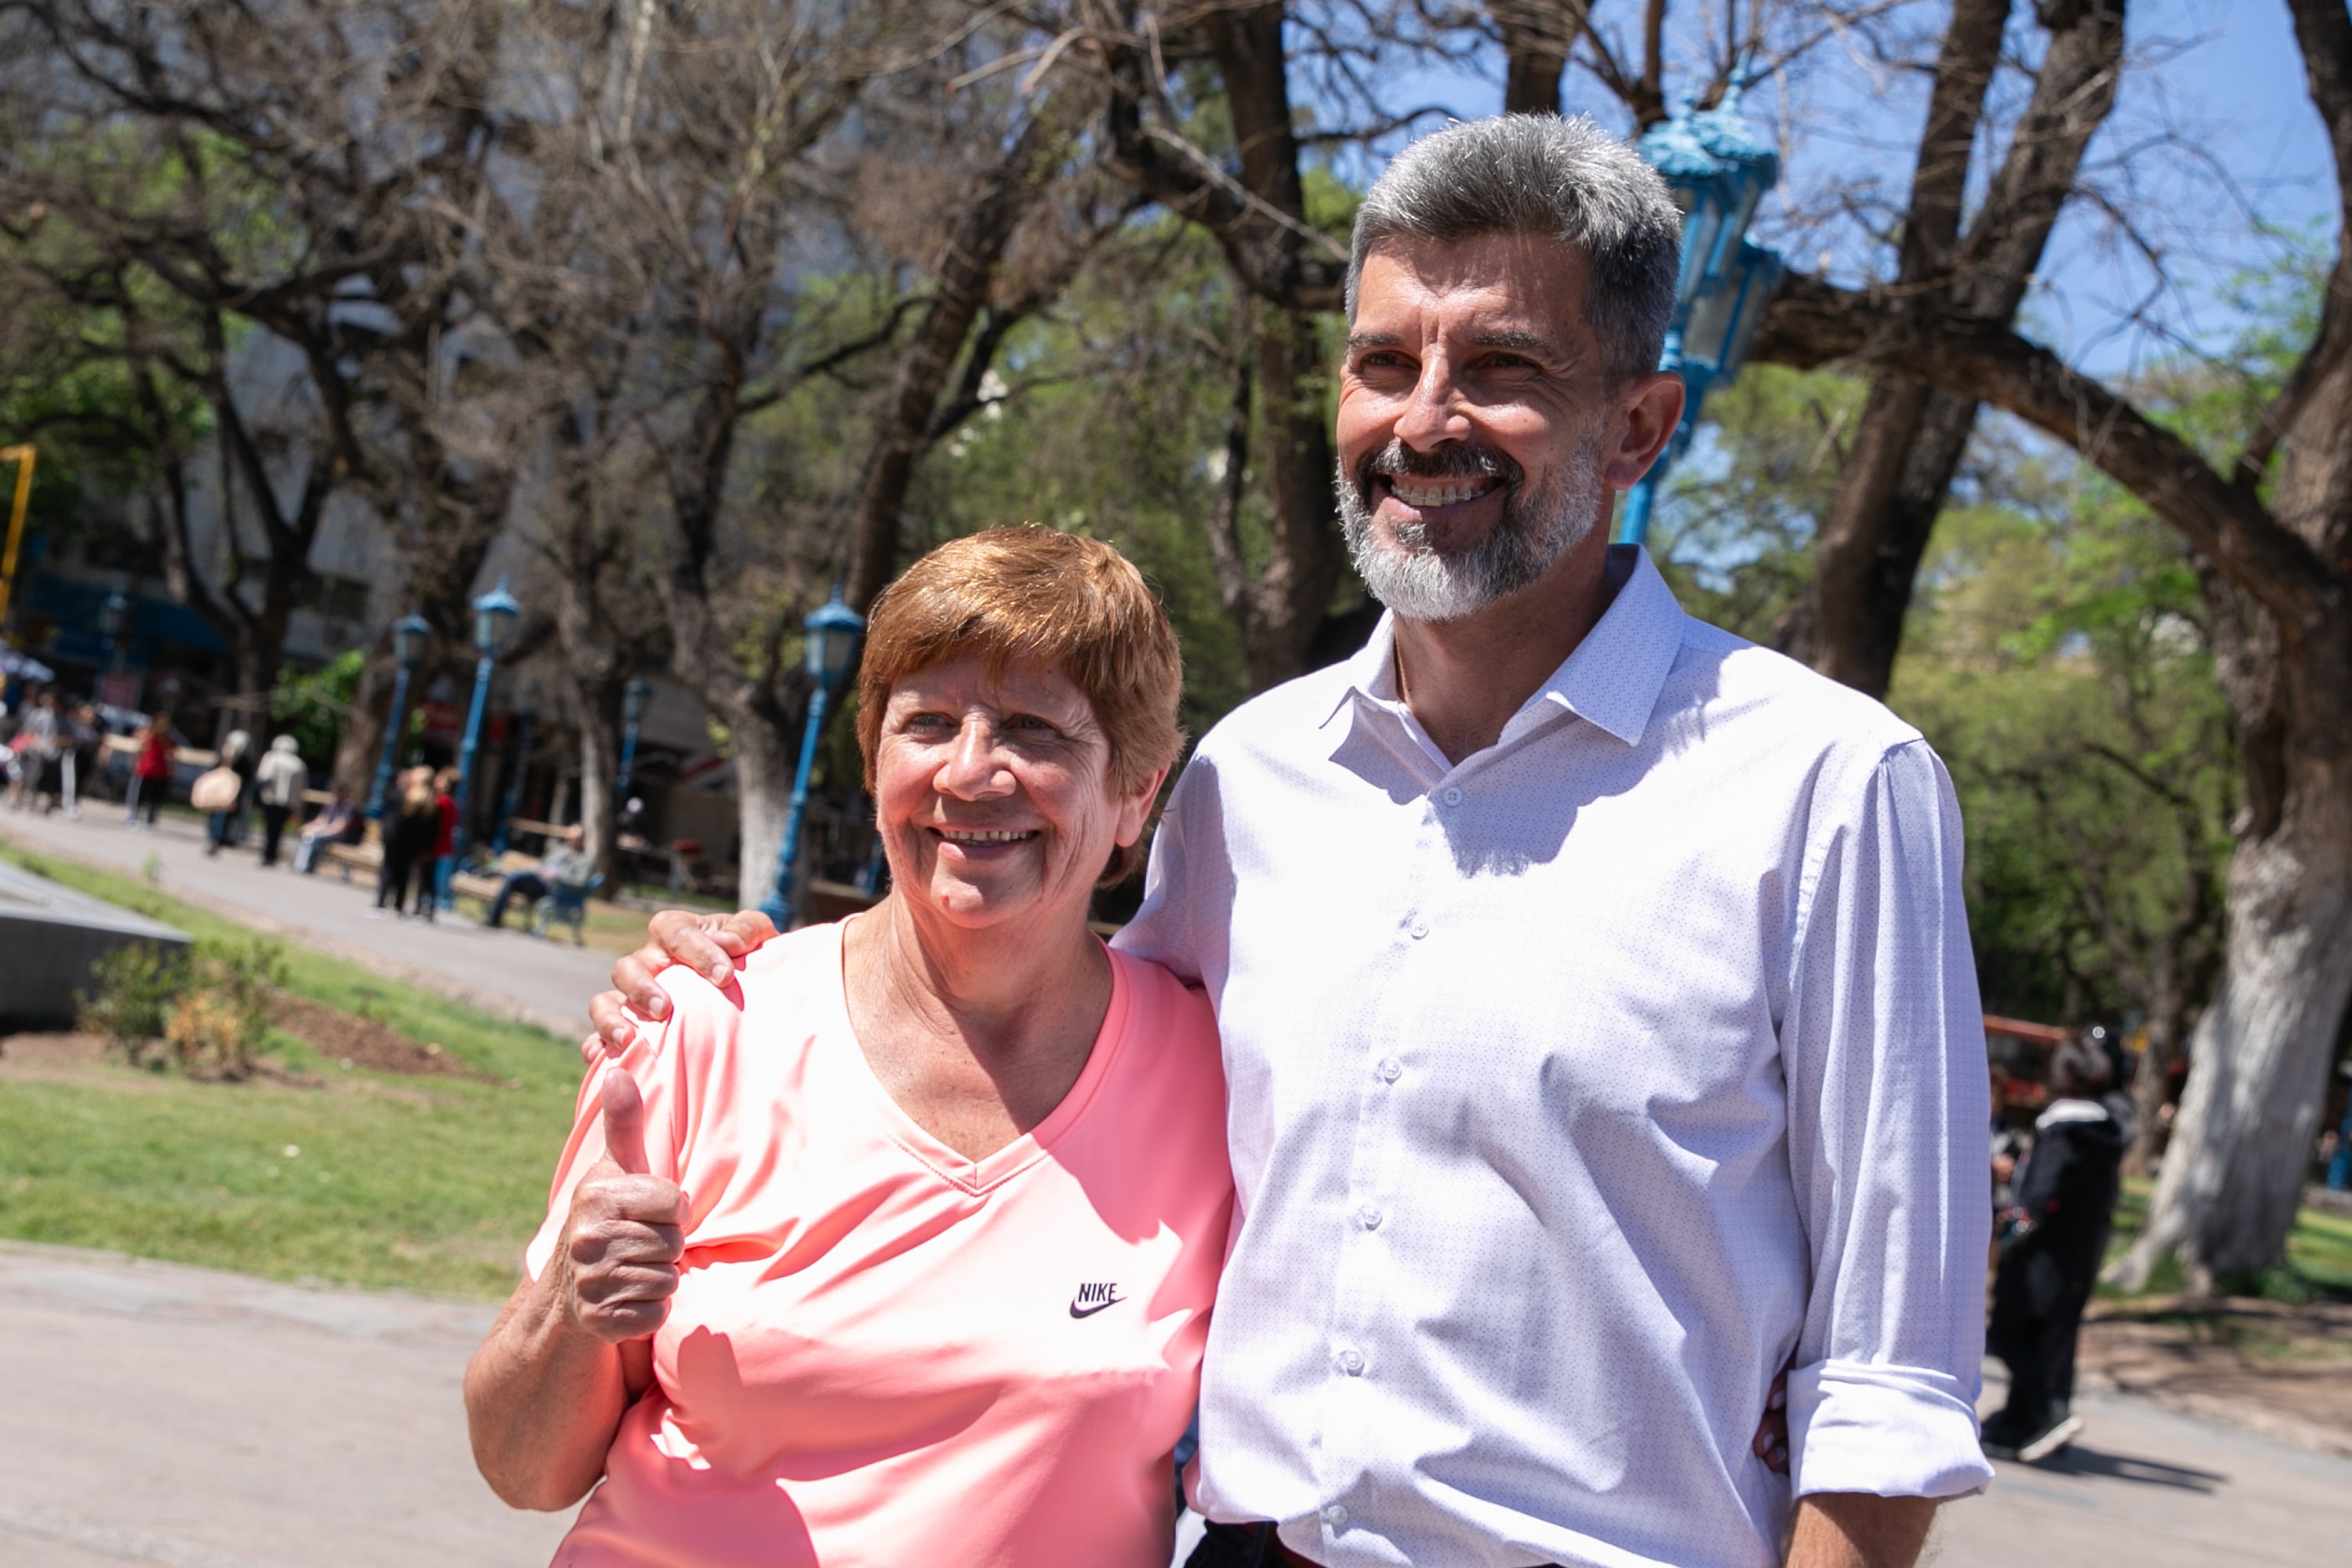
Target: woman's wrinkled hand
(626, 1233)
(707, 943)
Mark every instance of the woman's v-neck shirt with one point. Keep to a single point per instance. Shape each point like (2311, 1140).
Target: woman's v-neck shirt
(883, 1352)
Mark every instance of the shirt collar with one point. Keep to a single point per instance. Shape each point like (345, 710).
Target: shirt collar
(1612, 678)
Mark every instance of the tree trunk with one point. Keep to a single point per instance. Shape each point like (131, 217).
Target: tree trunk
(2155, 1069)
(2241, 1143)
(1288, 600)
(596, 706)
(1909, 441)
(967, 264)
(362, 738)
(763, 783)
(1538, 35)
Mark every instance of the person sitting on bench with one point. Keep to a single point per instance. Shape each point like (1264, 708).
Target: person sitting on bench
(338, 822)
(567, 865)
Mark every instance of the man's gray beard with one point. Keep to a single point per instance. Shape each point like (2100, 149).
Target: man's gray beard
(1537, 528)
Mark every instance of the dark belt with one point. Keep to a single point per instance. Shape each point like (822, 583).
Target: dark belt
(1244, 1546)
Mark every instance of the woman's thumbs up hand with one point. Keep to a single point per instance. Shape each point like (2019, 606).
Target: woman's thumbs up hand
(625, 1235)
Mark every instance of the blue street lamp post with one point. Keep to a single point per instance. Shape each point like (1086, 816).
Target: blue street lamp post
(1718, 172)
(833, 631)
(523, 716)
(113, 615)
(410, 633)
(495, 613)
(634, 698)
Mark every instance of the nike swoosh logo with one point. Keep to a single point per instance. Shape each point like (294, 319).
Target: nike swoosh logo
(1089, 1309)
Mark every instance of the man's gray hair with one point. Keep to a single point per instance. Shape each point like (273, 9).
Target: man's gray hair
(1542, 175)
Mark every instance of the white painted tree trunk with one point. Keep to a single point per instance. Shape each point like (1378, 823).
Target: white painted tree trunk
(763, 786)
(2258, 1063)
(599, 766)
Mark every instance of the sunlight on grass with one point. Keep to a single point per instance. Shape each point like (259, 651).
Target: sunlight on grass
(2318, 1250)
(427, 1183)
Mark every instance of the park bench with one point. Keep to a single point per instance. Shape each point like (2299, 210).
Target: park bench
(366, 855)
(483, 884)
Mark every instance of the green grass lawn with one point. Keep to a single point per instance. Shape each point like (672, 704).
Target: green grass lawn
(2318, 1250)
(428, 1183)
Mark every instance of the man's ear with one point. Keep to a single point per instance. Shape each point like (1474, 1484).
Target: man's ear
(1648, 408)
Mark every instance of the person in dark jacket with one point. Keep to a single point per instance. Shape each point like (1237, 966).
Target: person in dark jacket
(2053, 1240)
(410, 830)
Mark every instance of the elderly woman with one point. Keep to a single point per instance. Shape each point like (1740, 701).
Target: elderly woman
(900, 1249)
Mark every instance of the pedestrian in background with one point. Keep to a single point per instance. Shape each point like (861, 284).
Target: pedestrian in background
(80, 754)
(444, 838)
(279, 785)
(236, 754)
(407, 841)
(338, 822)
(2053, 1240)
(151, 773)
(37, 754)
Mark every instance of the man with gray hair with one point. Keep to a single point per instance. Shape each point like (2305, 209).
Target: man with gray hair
(1600, 1023)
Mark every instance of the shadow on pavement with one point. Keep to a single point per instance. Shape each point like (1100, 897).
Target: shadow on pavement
(2077, 1461)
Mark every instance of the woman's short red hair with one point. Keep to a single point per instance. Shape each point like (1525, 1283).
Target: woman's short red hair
(1031, 596)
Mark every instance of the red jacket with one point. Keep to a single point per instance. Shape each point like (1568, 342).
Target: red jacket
(447, 842)
(156, 756)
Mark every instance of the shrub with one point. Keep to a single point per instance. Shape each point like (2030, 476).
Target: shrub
(132, 1004)
(203, 1011)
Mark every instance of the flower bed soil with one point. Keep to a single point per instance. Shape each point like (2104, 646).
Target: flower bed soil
(349, 1040)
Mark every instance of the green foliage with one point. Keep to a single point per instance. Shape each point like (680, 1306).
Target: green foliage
(413, 1184)
(203, 1011)
(1116, 428)
(311, 705)
(2059, 663)
(1734, 528)
(2318, 1264)
(131, 1001)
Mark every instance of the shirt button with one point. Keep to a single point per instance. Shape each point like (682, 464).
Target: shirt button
(1391, 1069)
(1368, 1217)
(1420, 929)
(1335, 1516)
(1352, 1362)
(1453, 796)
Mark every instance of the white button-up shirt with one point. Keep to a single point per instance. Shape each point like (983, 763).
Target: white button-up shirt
(1574, 1090)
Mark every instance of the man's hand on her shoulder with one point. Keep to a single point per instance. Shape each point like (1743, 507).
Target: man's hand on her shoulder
(709, 944)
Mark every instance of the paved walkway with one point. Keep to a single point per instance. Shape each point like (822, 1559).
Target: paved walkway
(506, 974)
(157, 1414)
(2144, 1488)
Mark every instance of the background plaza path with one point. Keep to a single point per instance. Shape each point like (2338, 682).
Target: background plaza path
(157, 1414)
(506, 974)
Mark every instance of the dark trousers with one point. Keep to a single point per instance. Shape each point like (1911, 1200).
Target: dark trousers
(2037, 1317)
(273, 828)
(150, 798)
(428, 877)
(391, 881)
(528, 885)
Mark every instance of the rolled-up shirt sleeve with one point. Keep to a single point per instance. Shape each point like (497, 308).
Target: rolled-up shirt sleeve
(1884, 1044)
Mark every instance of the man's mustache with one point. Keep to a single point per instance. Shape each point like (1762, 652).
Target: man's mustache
(1454, 460)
